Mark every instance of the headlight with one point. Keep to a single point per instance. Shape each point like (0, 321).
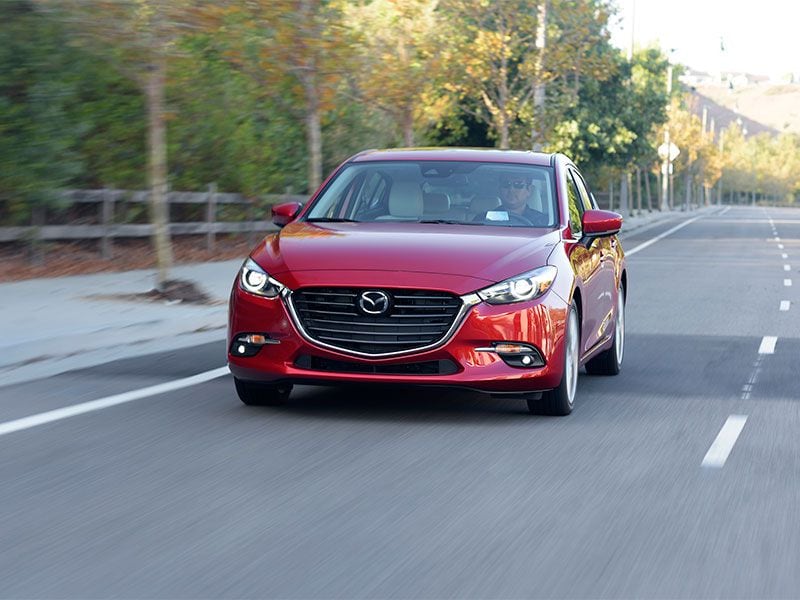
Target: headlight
(255, 280)
(527, 286)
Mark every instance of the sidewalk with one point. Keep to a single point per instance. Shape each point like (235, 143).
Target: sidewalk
(50, 326)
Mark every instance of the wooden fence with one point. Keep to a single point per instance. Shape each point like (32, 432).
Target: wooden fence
(106, 229)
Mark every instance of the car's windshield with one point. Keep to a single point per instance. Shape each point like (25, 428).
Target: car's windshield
(444, 192)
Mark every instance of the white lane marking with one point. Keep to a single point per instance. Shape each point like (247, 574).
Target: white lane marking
(787, 282)
(780, 246)
(784, 256)
(777, 239)
(787, 268)
(785, 304)
(92, 405)
(725, 210)
(723, 444)
(768, 344)
(661, 236)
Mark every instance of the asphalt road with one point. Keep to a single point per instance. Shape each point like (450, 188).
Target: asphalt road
(407, 493)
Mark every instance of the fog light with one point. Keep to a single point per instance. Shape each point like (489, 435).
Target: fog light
(517, 355)
(248, 344)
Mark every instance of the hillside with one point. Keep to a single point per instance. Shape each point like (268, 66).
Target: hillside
(763, 107)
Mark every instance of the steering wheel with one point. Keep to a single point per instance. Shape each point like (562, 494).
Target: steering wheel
(512, 216)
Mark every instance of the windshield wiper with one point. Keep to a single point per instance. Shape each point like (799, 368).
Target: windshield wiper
(330, 220)
(450, 222)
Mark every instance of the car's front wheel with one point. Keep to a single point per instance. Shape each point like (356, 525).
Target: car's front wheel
(559, 402)
(262, 394)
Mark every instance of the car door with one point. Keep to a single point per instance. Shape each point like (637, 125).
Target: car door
(602, 290)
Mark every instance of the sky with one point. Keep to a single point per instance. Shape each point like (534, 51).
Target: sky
(761, 37)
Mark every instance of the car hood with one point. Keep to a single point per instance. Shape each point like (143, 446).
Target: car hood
(460, 258)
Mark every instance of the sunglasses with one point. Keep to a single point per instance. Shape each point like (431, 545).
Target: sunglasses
(517, 185)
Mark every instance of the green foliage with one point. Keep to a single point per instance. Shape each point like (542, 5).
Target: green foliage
(224, 128)
(37, 137)
(611, 124)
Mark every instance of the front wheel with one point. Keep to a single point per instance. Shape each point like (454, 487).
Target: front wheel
(609, 362)
(262, 394)
(559, 402)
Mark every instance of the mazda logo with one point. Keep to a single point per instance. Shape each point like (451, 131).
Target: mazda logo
(374, 302)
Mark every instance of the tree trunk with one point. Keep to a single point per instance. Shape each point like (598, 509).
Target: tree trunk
(687, 191)
(623, 194)
(313, 135)
(638, 191)
(540, 89)
(159, 209)
(408, 127)
(504, 131)
(611, 194)
(647, 191)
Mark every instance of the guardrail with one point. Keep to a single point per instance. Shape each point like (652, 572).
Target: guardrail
(106, 229)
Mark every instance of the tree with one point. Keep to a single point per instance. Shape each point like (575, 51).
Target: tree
(398, 57)
(140, 36)
(496, 59)
(296, 43)
(493, 58)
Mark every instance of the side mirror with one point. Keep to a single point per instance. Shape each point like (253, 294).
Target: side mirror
(283, 214)
(601, 223)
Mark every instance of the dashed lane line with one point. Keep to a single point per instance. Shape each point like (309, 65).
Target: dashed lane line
(785, 304)
(723, 444)
(787, 282)
(93, 405)
(768, 344)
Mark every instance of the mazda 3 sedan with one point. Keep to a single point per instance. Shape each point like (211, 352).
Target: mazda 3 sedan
(481, 269)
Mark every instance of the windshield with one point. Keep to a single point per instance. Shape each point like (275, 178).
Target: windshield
(457, 192)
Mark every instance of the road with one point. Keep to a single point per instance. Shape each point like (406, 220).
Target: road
(398, 493)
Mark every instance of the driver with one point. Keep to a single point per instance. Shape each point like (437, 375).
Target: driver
(515, 191)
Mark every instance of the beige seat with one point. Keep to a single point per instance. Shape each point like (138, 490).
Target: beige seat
(405, 201)
(435, 204)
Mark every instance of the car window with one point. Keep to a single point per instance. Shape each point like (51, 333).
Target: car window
(576, 207)
(583, 189)
(440, 192)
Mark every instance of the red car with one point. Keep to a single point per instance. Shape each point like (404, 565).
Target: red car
(481, 269)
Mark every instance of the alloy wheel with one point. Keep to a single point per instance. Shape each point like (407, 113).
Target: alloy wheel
(571, 350)
(619, 340)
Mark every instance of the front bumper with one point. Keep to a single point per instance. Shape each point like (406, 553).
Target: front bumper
(463, 358)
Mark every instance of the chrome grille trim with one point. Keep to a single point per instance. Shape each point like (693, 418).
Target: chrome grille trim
(466, 303)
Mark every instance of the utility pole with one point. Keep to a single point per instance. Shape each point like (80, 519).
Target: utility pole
(665, 167)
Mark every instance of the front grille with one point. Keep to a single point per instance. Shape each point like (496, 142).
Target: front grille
(415, 319)
(429, 367)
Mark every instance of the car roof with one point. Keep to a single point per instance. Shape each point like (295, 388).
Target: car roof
(457, 154)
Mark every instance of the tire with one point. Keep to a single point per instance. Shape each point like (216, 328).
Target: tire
(559, 402)
(609, 362)
(262, 394)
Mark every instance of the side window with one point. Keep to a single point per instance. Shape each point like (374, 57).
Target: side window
(583, 190)
(575, 206)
